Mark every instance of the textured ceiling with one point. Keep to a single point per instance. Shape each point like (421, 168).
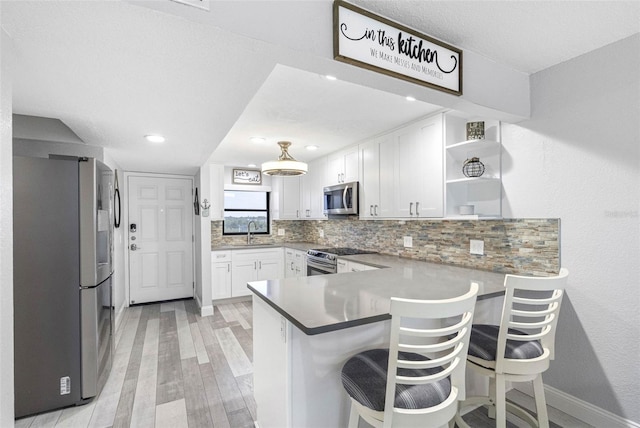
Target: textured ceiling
(114, 71)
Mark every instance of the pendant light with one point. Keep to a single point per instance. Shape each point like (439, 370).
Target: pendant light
(285, 165)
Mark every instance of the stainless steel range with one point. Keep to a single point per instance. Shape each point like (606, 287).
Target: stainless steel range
(325, 261)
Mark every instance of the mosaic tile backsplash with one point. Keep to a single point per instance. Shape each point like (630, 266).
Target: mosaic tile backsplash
(527, 246)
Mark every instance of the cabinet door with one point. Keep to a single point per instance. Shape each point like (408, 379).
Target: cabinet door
(431, 196)
(335, 168)
(221, 280)
(270, 269)
(419, 169)
(300, 263)
(388, 165)
(289, 263)
(290, 198)
(242, 271)
(315, 186)
(351, 165)
(370, 183)
(343, 266)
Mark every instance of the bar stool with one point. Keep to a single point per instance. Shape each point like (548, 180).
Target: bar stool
(425, 362)
(520, 348)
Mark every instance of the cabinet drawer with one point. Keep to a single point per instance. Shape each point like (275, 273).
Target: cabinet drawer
(220, 256)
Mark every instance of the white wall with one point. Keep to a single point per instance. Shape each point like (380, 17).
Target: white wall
(203, 245)
(119, 243)
(6, 236)
(578, 158)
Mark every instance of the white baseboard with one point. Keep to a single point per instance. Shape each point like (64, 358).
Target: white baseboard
(205, 311)
(579, 409)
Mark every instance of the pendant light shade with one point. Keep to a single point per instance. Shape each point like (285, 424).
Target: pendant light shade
(285, 165)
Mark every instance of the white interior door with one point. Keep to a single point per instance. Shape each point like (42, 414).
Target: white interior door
(160, 239)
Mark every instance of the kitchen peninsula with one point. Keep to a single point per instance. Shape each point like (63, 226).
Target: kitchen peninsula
(306, 328)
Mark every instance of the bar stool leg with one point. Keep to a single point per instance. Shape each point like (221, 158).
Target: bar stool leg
(492, 396)
(541, 405)
(354, 417)
(500, 401)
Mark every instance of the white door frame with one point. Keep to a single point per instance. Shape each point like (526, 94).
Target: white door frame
(125, 216)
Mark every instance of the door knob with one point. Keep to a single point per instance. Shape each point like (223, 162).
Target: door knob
(134, 247)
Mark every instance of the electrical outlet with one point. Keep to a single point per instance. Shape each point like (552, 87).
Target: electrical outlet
(321, 233)
(476, 246)
(280, 232)
(408, 241)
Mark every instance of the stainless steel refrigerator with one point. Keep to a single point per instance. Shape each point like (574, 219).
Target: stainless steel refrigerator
(63, 250)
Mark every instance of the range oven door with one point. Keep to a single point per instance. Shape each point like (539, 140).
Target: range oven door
(320, 267)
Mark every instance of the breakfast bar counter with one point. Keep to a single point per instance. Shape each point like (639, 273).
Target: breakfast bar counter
(306, 328)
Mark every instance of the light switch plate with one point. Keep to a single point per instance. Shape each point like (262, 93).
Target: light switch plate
(280, 232)
(408, 241)
(476, 246)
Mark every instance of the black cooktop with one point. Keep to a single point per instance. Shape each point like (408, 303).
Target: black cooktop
(343, 251)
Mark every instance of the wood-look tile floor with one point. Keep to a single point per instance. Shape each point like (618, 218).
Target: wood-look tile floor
(174, 368)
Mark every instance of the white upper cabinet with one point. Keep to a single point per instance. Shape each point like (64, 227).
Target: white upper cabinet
(300, 197)
(311, 193)
(483, 193)
(402, 172)
(343, 166)
(419, 169)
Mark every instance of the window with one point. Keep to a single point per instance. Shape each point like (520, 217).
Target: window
(241, 208)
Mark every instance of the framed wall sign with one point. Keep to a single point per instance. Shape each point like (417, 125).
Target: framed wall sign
(370, 41)
(247, 176)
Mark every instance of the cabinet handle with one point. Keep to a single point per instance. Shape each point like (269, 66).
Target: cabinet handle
(292, 266)
(371, 210)
(255, 265)
(260, 265)
(297, 213)
(417, 207)
(308, 213)
(343, 177)
(375, 210)
(228, 268)
(338, 177)
(410, 208)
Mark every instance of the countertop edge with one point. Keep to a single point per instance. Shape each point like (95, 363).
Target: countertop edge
(310, 331)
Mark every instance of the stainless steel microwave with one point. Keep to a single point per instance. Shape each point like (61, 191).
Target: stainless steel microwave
(341, 199)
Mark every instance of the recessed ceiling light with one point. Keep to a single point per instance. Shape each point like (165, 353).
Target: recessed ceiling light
(330, 77)
(410, 98)
(257, 140)
(152, 138)
(311, 148)
(252, 165)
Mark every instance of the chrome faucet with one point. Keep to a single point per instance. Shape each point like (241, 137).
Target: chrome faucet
(249, 231)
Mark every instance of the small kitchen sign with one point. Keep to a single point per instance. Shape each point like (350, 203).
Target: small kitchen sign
(247, 176)
(364, 39)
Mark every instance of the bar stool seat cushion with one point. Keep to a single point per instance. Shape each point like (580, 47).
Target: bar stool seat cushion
(364, 377)
(484, 342)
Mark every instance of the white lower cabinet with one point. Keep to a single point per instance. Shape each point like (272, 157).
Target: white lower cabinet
(347, 266)
(254, 265)
(231, 270)
(295, 263)
(220, 274)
